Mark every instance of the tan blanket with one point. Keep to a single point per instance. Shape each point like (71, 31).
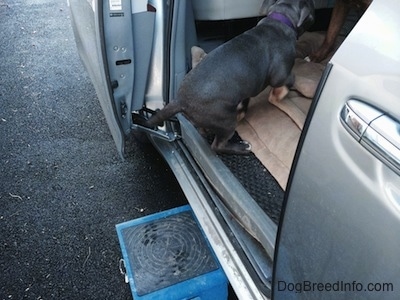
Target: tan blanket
(274, 129)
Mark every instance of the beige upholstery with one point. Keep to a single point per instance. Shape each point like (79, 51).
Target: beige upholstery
(274, 129)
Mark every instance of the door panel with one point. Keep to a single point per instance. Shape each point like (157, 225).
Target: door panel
(339, 234)
(128, 40)
(118, 43)
(87, 25)
(115, 42)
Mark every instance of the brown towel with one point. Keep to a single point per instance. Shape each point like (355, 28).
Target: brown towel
(274, 129)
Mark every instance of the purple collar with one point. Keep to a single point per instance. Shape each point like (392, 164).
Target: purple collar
(282, 18)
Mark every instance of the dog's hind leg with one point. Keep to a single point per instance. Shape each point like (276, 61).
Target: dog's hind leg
(242, 109)
(164, 114)
(222, 144)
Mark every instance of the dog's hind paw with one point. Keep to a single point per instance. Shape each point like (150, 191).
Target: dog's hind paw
(238, 148)
(246, 145)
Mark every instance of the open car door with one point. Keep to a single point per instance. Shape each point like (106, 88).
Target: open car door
(339, 233)
(115, 40)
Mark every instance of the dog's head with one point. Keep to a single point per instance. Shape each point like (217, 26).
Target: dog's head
(299, 12)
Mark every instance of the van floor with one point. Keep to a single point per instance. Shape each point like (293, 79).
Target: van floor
(258, 182)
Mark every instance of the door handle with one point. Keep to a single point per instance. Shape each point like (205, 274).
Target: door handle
(383, 136)
(373, 129)
(356, 116)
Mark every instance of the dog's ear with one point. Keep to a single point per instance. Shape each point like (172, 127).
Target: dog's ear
(197, 55)
(306, 17)
(265, 6)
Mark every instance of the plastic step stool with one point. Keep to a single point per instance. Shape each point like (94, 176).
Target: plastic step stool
(167, 256)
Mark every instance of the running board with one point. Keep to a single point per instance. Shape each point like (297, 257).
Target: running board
(239, 202)
(235, 267)
(167, 136)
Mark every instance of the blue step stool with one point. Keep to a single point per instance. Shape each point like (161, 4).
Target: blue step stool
(167, 257)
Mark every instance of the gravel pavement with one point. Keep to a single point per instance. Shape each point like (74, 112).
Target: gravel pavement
(63, 186)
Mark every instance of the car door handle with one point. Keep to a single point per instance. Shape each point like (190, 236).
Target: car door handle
(373, 129)
(356, 116)
(383, 136)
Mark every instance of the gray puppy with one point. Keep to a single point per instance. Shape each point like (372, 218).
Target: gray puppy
(212, 92)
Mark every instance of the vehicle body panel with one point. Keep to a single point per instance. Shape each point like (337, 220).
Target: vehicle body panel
(341, 221)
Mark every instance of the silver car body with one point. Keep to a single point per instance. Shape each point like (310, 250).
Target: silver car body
(340, 218)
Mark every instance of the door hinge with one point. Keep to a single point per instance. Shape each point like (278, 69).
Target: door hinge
(124, 110)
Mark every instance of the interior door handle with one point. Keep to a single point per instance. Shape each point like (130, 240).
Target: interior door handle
(375, 130)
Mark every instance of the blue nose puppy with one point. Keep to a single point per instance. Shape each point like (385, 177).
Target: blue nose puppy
(239, 69)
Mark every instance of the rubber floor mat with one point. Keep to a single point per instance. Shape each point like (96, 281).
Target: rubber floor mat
(258, 182)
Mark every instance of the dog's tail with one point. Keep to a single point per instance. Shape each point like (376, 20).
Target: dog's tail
(164, 114)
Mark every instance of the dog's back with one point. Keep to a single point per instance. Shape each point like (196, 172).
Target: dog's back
(238, 69)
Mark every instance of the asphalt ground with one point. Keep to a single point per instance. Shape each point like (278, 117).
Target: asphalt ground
(63, 187)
